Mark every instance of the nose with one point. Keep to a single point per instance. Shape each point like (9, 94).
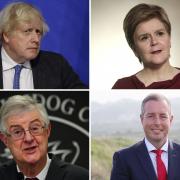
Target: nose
(153, 40)
(157, 119)
(35, 37)
(28, 136)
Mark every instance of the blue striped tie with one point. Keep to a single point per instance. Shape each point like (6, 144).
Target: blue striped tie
(18, 69)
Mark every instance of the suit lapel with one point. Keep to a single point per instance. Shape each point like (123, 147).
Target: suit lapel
(172, 161)
(56, 169)
(145, 161)
(37, 71)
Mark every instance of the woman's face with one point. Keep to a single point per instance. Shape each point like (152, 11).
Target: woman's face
(152, 43)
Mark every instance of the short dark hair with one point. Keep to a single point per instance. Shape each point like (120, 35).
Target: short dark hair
(154, 97)
(140, 13)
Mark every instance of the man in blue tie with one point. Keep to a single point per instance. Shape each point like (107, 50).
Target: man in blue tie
(156, 157)
(22, 27)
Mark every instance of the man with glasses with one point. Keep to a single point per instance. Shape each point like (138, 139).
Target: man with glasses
(25, 129)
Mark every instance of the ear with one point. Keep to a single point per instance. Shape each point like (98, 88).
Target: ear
(49, 129)
(170, 43)
(3, 138)
(141, 117)
(135, 53)
(5, 37)
(171, 119)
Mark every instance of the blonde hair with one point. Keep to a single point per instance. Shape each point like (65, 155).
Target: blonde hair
(17, 12)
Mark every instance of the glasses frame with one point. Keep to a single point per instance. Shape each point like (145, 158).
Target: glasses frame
(24, 132)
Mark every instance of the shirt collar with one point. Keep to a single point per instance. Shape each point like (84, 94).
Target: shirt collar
(150, 147)
(43, 173)
(9, 63)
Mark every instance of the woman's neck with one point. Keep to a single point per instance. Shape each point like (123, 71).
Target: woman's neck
(149, 75)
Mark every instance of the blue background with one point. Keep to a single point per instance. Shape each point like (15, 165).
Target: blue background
(68, 21)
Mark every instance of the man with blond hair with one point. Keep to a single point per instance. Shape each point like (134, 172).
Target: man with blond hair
(22, 64)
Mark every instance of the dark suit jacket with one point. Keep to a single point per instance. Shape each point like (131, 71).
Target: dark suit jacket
(51, 71)
(58, 170)
(134, 163)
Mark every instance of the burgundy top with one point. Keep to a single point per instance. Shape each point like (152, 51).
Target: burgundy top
(132, 82)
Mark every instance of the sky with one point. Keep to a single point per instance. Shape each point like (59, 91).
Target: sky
(106, 96)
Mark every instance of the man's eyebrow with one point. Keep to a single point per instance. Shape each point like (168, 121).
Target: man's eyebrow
(19, 125)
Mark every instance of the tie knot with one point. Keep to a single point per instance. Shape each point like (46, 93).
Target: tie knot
(18, 67)
(35, 178)
(158, 152)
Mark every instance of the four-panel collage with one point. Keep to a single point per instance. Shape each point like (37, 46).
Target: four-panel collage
(89, 90)
(44, 97)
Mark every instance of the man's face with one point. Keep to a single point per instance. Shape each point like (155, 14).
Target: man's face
(152, 43)
(156, 121)
(23, 43)
(31, 149)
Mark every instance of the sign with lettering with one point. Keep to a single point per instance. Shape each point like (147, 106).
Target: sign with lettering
(69, 116)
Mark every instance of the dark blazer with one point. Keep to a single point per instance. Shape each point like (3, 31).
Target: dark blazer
(134, 163)
(58, 170)
(51, 71)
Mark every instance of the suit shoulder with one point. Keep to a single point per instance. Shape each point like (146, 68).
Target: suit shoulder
(7, 168)
(129, 150)
(50, 60)
(7, 165)
(50, 55)
(175, 145)
(76, 172)
(59, 169)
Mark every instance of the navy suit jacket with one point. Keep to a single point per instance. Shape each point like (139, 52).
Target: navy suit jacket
(134, 163)
(58, 170)
(51, 71)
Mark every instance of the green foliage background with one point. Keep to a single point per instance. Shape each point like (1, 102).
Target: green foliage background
(102, 150)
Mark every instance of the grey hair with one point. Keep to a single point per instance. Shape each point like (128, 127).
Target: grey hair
(19, 104)
(155, 97)
(17, 12)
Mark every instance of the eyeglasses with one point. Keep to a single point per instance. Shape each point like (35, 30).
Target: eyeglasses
(18, 132)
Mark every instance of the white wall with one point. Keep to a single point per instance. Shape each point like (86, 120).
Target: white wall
(110, 56)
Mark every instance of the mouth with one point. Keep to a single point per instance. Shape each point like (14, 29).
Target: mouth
(157, 131)
(156, 52)
(30, 150)
(33, 48)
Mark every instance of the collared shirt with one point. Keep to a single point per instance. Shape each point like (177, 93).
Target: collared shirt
(164, 155)
(43, 173)
(26, 77)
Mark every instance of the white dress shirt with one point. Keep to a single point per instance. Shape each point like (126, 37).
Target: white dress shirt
(26, 77)
(164, 155)
(43, 173)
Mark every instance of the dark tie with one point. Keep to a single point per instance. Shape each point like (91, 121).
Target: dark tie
(161, 169)
(18, 69)
(32, 178)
